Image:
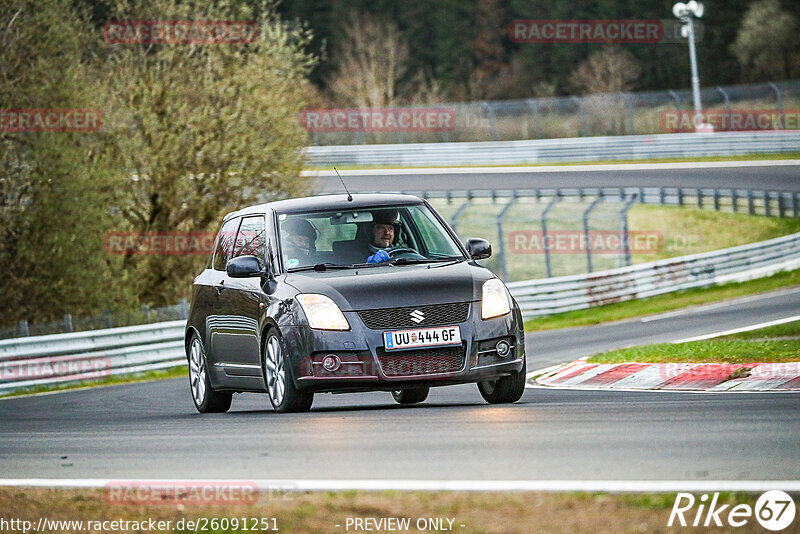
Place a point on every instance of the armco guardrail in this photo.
(566, 293)
(631, 147)
(42, 360)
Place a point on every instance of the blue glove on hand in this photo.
(379, 257)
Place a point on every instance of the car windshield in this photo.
(399, 235)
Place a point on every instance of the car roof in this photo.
(322, 202)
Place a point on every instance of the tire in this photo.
(411, 396)
(283, 394)
(504, 390)
(206, 399)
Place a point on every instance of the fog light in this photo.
(502, 348)
(331, 362)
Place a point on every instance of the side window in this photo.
(250, 238)
(225, 240)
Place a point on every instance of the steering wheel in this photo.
(394, 252)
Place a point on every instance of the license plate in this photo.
(422, 337)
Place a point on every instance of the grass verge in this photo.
(662, 303)
(479, 512)
(775, 344)
(172, 372)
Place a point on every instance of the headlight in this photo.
(322, 312)
(495, 301)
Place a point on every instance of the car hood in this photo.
(390, 286)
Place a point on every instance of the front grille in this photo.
(433, 315)
(423, 361)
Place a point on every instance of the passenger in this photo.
(299, 242)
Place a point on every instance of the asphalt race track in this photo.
(151, 430)
(778, 177)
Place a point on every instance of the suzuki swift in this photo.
(349, 293)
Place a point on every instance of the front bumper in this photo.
(365, 366)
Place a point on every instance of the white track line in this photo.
(737, 330)
(554, 168)
(444, 485)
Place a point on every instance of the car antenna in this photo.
(349, 196)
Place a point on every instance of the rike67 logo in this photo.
(774, 510)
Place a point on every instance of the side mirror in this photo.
(479, 248)
(244, 267)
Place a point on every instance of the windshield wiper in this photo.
(409, 261)
(320, 267)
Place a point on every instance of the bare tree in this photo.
(372, 61)
(604, 77)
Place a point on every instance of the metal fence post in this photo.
(767, 209)
(734, 200)
(587, 212)
(628, 99)
(795, 203)
(534, 107)
(107, 318)
(625, 240)
(699, 198)
(581, 116)
(552, 203)
(680, 196)
(751, 209)
(778, 97)
(24, 331)
(68, 322)
(486, 107)
(460, 211)
(727, 100)
(780, 205)
(675, 97)
(501, 243)
(716, 199)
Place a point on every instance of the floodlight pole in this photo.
(698, 106)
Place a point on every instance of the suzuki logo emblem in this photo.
(417, 316)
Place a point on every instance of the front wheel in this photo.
(206, 399)
(283, 394)
(505, 389)
(411, 396)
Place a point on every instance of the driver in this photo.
(299, 242)
(383, 233)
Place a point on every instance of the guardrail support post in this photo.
(552, 203)
(795, 203)
(587, 212)
(107, 318)
(767, 209)
(734, 201)
(183, 309)
(780, 205)
(501, 243)
(680, 196)
(751, 209)
(23, 329)
(716, 199)
(68, 322)
(700, 198)
(661, 196)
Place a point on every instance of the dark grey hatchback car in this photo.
(347, 293)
